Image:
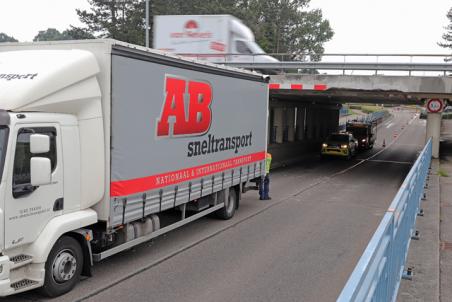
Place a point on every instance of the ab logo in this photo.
(194, 119)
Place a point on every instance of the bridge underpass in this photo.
(305, 108)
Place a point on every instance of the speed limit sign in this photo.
(435, 105)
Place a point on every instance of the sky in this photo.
(360, 26)
(385, 26)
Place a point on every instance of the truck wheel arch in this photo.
(67, 224)
(86, 249)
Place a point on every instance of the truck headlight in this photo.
(324, 145)
(344, 146)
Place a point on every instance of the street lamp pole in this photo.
(147, 23)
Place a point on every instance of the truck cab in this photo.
(213, 38)
(51, 127)
(364, 131)
(244, 46)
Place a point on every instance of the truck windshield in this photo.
(255, 48)
(358, 131)
(4, 132)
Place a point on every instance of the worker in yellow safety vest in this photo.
(264, 186)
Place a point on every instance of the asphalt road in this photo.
(300, 246)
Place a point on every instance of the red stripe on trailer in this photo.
(274, 86)
(296, 86)
(137, 185)
(320, 87)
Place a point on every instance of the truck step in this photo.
(23, 284)
(20, 260)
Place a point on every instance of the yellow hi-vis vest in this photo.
(268, 162)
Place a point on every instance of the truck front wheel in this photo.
(63, 267)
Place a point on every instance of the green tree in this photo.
(50, 34)
(77, 33)
(447, 36)
(122, 20)
(287, 26)
(280, 26)
(5, 38)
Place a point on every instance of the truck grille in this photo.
(23, 283)
(20, 258)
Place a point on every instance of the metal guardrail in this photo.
(309, 57)
(377, 275)
(437, 67)
(335, 61)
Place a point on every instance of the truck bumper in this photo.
(5, 282)
(16, 278)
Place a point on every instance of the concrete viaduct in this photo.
(306, 107)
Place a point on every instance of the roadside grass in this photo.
(443, 173)
(371, 109)
(366, 108)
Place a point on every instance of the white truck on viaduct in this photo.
(101, 140)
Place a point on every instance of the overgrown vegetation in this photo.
(367, 108)
(5, 38)
(442, 172)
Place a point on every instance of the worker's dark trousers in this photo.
(264, 187)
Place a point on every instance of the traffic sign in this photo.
(435, 105)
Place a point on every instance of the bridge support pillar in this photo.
(278, 122)
(434, 131)
(334, 121)
(310, 123)
(291, 124)
(301, 111)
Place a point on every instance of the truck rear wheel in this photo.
(63, 267)
(228, 211)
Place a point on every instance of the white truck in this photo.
(213, 38)
(100, 141)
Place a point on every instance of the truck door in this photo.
(29, 208)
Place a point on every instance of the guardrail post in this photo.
(408, 274)
(416, 235)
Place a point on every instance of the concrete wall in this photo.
(419, 85)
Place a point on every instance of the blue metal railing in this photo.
(377, 275)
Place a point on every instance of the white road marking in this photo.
(389, 125)
(390, 161)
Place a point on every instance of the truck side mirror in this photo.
(40, 171)
(39, 143)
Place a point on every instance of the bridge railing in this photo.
(336, 63)
(377, 275)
